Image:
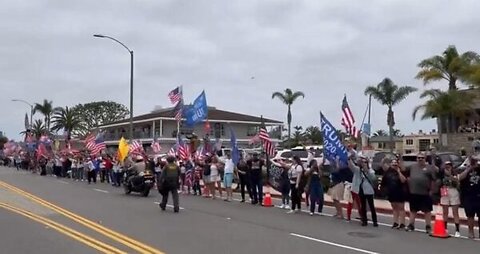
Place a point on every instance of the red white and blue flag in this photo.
(135, 147)
(267, 142)
(183, 150)
(348, 121)
(95, 143)
(156, 146)
(175, 95)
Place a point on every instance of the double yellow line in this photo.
(118, 237)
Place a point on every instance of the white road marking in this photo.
(99, 190)
(334, 244)
(61, 181)
(171, 206)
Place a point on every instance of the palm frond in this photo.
(401, 93)
(280, 96)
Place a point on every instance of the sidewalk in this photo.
(383, 206)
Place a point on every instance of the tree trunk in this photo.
(289, 121)
(391, 123)
(452, 84)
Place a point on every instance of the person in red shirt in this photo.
(105, 173)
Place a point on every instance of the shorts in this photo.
(336, 192)
(215, 178)
(421, 203)
(472, 208)
(228, 180)
(206, 179)
(347, 193)
(452, 199)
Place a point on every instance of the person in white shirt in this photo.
(228, 177)
(215, 177)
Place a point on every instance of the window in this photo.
(252, 131)
(423, 144)
(409, 142)
(436, 141)
(218, 130)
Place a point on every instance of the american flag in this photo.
(135, 147)
(175, 95)
(254, 140)
(267, 142)
(179, 110)
(95, 143)
(183, 150)
(156, 146)
(172, 152)
(348, 121)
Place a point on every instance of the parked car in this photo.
(300, 152)
(377, 161)
(410, 159)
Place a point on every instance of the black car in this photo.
(377, 161)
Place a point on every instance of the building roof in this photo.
(214, 114)
(384, 139)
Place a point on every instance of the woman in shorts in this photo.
(450, 197)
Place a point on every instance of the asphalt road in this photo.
(202, 226)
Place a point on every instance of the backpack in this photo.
(303, 179)
(206, 170)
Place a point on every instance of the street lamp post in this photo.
(31, 110)
(131, 80)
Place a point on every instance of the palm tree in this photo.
(65, 119)
(46, 109)
(449, 66)
(288, 98)
(38, 128)
(314, 134)
(445, 106)
(298, 136)
(380, 133)
(389, 94)
(397, 133)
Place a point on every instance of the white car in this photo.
(302, 153)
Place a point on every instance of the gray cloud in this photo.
(325, 49)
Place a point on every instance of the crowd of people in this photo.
(354, 182)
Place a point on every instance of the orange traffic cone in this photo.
(267, 200)
(439, 229)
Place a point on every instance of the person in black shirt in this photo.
(243, 175)
(394, 185)
(255, 166)
(470, 189)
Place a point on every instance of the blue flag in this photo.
(198, 111)
(233, 142)
(332, 145)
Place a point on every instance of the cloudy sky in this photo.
(323, 48)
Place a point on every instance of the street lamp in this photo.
(131, 79)
(31, 110)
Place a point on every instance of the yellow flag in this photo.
(122, 149)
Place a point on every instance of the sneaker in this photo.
(282, 206)
(375, 224)
(395, 225)
(457, 234)
(291, 211)
(311, 214)
(410, 227)
(428, 229)
(287, 207)
(364, 224)
(242, 201)
(401, 226)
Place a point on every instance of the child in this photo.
(196, 180)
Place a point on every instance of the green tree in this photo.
(95, 114)
(397, 133)
(298, 136)
(314, 135)
(66, 119)
(46, 109)
(446, 106)
(450, 66)
(3, 140)
(288, 97)
(38, 128)
(389, 94)
(380, 133)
